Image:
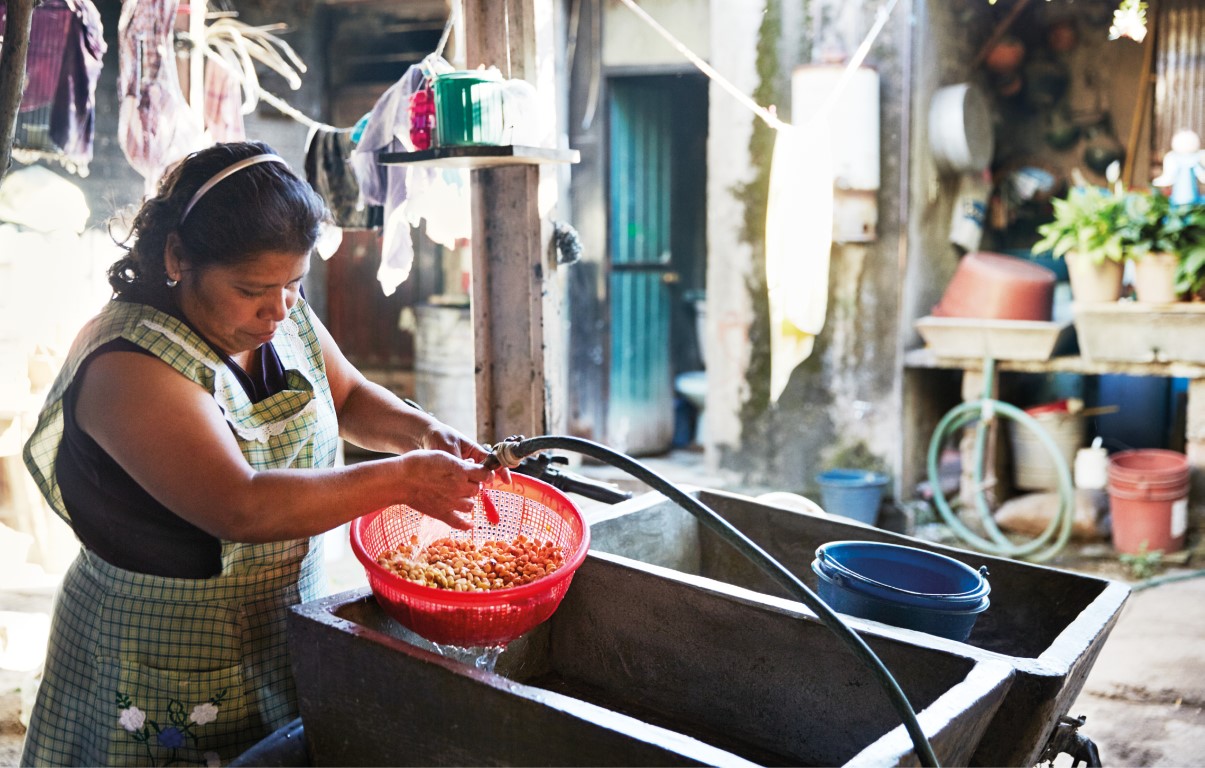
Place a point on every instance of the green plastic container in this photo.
(468, 108)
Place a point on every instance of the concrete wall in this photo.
(853, 402)
(841, 406)
(630, 42)
(731, 313)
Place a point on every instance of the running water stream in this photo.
(484, 658)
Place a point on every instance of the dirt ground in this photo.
(12, 732)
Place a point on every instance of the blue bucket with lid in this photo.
(902, 586)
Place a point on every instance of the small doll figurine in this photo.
(1183, 169)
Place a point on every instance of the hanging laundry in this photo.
(155, 127)
(799, 239)
(223, 104)
(328, 170)
(409, 195)
(57, 115)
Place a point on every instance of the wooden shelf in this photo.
(924, 358)
(480, 156)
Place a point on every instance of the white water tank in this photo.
(851, 104)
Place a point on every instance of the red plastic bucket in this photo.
(1148, 500)
(1148, 464)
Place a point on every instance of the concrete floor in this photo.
(1144, 700)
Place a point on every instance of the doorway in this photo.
(656, 198)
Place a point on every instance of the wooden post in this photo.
(13, 55)
(973, 383)
(516, 296)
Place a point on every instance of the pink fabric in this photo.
(156, 127)
(223, 104)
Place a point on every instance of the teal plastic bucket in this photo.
(468, 108)
(902, 586)
(852, 493)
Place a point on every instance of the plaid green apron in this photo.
(149, 670)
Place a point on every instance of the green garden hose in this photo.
(985, 411)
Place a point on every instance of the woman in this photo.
(190, 442)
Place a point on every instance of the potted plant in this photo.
(1185, 231)
(1084, 231)
(1151, 236)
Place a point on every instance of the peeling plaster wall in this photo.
(730, 310)
(842, 405)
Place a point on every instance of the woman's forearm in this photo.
(374, 418)
(283, 504)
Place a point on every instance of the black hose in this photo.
(521, 447)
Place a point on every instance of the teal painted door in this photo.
(640, 418)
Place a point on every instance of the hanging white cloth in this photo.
(799, 240)
(409, 194)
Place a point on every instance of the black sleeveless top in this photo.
(114, 516)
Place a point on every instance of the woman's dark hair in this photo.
(263, 207)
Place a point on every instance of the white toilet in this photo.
(692, 385)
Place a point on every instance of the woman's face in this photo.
(238, 307)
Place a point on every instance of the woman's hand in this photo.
(441, 437)
(440, 484)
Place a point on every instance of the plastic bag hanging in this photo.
(156, 127)
(799, 238)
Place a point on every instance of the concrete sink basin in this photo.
(638, 666)
(1047, 624)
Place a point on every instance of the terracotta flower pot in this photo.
(1006, 56)
(1155, 278)
(1093, 283)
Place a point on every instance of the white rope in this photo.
(859, 56)
(706, 68)
(769, 117)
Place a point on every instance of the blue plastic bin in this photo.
(902, 586)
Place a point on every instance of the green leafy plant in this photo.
(1185, 229)
(1141, 224)
(1086, 222)
(1149, 223)
(1142, 564)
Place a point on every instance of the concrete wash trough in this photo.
(1048, 625)
(639, 666)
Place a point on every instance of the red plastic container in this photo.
(472, 619)
(998, 287)
(1145, 465)
(1148, 500)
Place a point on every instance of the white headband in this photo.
(231, 169)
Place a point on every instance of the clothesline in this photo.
(768, 116)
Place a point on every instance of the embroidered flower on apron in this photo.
(148, 732)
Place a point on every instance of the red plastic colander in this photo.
(470, 619)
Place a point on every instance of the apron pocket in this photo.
(162, 716)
